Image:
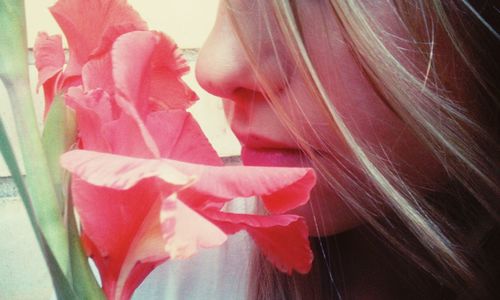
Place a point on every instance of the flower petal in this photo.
(129, 232)
(94, 30)
(129, 109)
(93, 110)
(281, 189)
(168, 90)
(283, 239)
(120, 172)
(187, 230)
(49, 61)
(49, 56)
(158, 63)
(96, 74)
(287, 247)
(100, 208)
(179, 137)
(131, 54)
(119, 134)
(114, 222)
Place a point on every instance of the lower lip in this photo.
(273, 157)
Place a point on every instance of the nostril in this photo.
(247, 96)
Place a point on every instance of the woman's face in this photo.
(223, 70)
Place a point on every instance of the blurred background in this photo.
(23, 274)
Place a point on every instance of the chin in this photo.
(326, 214)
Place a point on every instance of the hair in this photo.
(448, 240)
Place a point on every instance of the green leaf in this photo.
(59, 280)
(58, 136)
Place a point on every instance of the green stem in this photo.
(61, 285)
(38, 176)
(14, 74)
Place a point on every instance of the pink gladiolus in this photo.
(135, 185)
(159, 85)
(90, 27)
(49, 61)
(147, 184)
(131, 186)
(117, 224)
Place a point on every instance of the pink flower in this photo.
(147, 185)
(143, 68)
(90, 26)
(123, 195)
(121, 229)
(136, 213)
(49, 61)
(140, 74)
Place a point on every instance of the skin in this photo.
(223, 70)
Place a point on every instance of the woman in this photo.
(395, 105)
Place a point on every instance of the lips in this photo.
(264, 140)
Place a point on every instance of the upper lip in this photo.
(262, 136)
(257, 132)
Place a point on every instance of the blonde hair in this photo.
(435, 108)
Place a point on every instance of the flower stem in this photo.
(14, 74)
(38, 176)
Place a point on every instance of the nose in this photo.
(222, 67)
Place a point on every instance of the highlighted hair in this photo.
(434, 107)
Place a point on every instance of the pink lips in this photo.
(273, 157)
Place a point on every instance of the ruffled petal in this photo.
(49, 56)
(147, 69)
(283, 239)
(131, 55)
(230, 182)
(93, 110)
(168, 90)
(281, 189)
(49, 61)
(93, 32)
(187, 231)
(120, 172)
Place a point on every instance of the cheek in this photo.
(370, 120)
